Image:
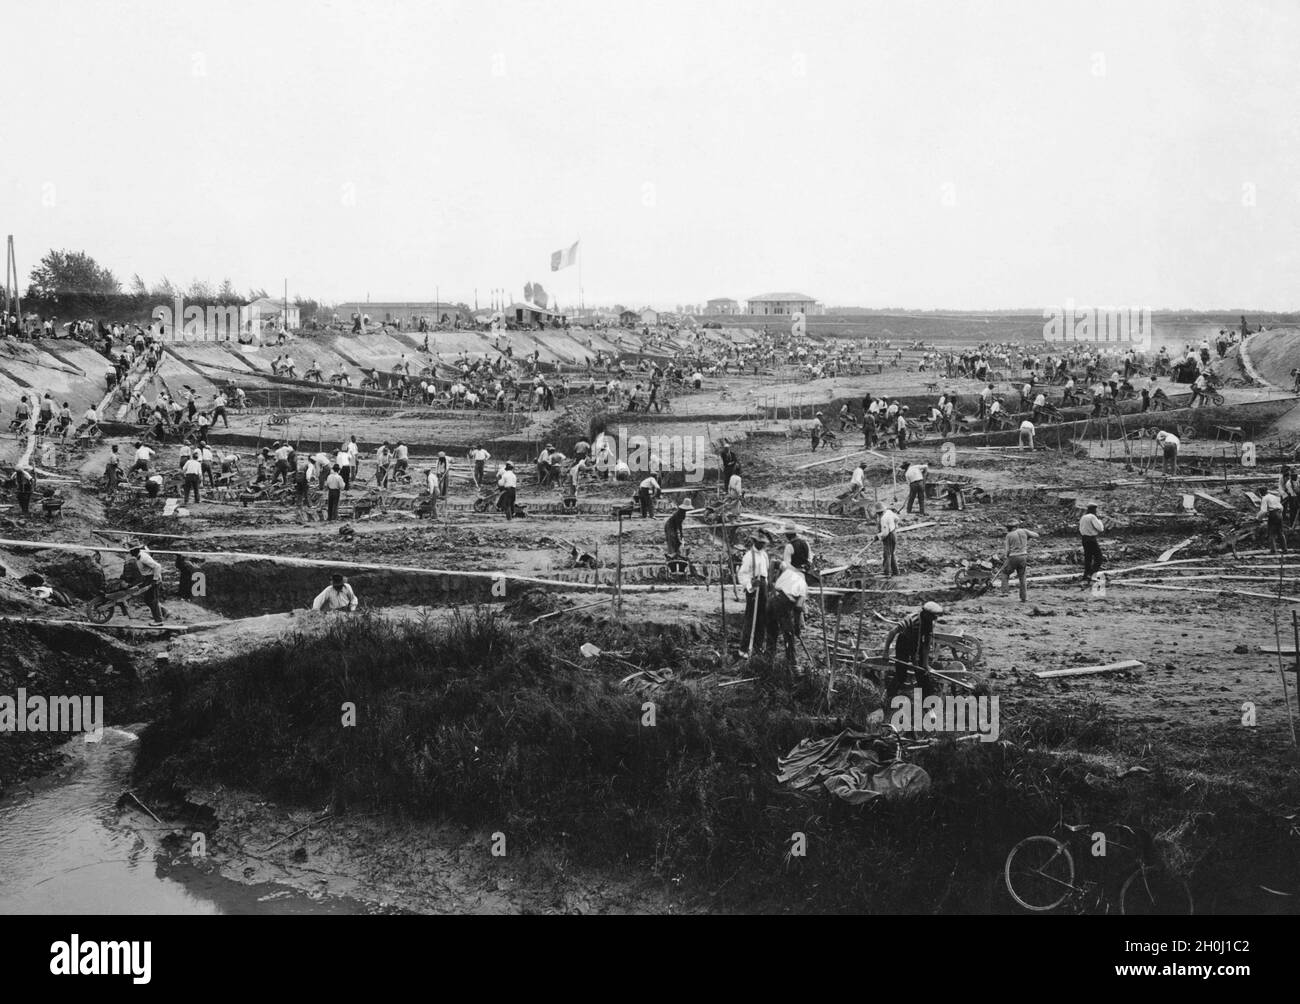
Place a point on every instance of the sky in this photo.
(960, 155)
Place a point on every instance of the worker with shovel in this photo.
(753, 578)
(911, 638)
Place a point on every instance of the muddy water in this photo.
(65, 849)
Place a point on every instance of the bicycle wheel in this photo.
(1039, 873)
(1153, 892)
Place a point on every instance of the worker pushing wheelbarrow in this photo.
(101, 609)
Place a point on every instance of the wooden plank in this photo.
(1166, 555)
(1216, 592)
(1211, 498)
(1110, 667)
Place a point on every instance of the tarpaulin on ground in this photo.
(849, 766)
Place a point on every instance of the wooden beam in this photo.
(1110, 667)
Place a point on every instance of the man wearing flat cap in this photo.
(911, 638)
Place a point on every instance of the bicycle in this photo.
(1040, 875)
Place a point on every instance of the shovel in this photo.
(591, 651)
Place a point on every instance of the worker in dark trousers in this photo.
(911, 638)
(646, 495)
(1270, 508)
(915, 474)
(673, 528)
(334, 484)
(151, 575)
(729, 463)
(785, 610)
(887, 518)
(24, 482)
(1090, 528)
(753, 578)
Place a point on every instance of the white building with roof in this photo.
(784, 303)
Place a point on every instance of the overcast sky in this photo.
(962, 155)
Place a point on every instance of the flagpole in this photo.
(581, 303)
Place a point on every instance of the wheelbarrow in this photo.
(100, 610)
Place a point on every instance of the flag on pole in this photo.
(564, 258)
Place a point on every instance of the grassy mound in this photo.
(492, 725)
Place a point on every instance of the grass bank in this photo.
(494, 725)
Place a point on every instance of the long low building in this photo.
(784, 303)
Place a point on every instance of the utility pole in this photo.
(11, 268)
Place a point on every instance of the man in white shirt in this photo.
(1026, 437)
(321, 463)
(479, 456)
(151, 574)
(1168, 444)
(343, 460)
(507, 482)
(143, 455)
(334, 485)
(886, 536)
(647, 492)
(856, 482)
(785, 612)
(1270, 508)
(193, 473)
(338, 595)
(915, 474)
(1090, 528)
(753, 578)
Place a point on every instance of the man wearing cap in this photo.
(149, 572)
(507, 482)
(1090, 528)
(785, 612)
(1270, 508)
(673, 527)
(796, 551)
(753, 576)
(1168, 443)
(888, 526)
(911, 637)
(915, 474)
(338, 595)
(817, 430)
(1016, 551)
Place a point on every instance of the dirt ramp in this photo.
(1273, 354)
